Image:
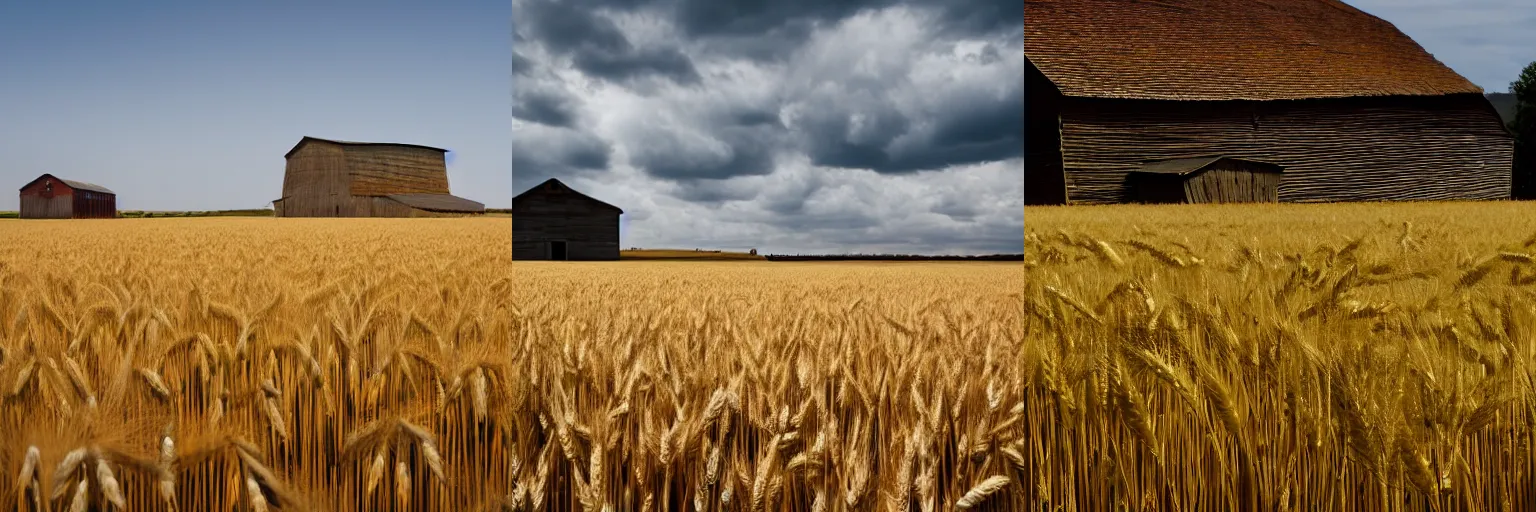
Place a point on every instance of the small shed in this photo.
(1209, 179)
(49, 197)
(552, 221)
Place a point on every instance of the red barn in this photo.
(49, 197)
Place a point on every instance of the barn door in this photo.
(557, 251)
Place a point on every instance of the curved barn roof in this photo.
(77, 185)
(1227, 50)
(307, 139)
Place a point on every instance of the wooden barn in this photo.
(332, 178)
(1349, 106)
(1210, 179)
(552, 221)
(49, 197)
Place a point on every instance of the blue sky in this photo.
(191, 105)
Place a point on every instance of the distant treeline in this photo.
(892, 257)
(255, 212)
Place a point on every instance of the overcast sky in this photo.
(787, 126)
(190, 105)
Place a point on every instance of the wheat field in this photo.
(1281, 357)
(406, 364)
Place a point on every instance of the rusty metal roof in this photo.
(308, 139)
(1183, 166)
(77, 185)
(1227, 50)
(439, 203)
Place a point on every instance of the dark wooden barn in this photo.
(1352, 108)
(49, 197)
(552, 221)
(1211, 179)
(332, 178)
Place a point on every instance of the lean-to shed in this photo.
(1212, 179)
(1350, 107)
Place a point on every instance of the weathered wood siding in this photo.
(316, 182)
(1232, 186)
(1401, 148)
(590, 230)
(384, 170)
(59, 205)
(1043, 179)
(94, 205)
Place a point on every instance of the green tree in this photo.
(1523, 126)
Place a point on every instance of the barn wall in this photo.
(1043, 179)
(59, 206)
(38, 207)
(384, 170)
(94, 205)
(591, 236)
(1434, 148)
(315, 182)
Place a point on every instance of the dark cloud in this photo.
(595, 44)
(729, 152)
(553, 107)
(540, 153)
(521, 65)
(635, 64)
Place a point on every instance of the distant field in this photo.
(683, 254)
(1281, 357)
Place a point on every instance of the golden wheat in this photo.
(1284, 357)
(371, 364)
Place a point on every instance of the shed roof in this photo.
(307, 139)
(439, 203)
(77, 185)
(563, 186)
(1227, 50)
(1185, 166)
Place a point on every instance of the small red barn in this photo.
(49, 197)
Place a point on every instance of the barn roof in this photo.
(1183, 166)
(307, 139)
(439, 203)
(545, 185)
(77, 185)
(1227, 50)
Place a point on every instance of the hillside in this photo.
(1505, 103)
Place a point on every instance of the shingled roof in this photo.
(1227, 50)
